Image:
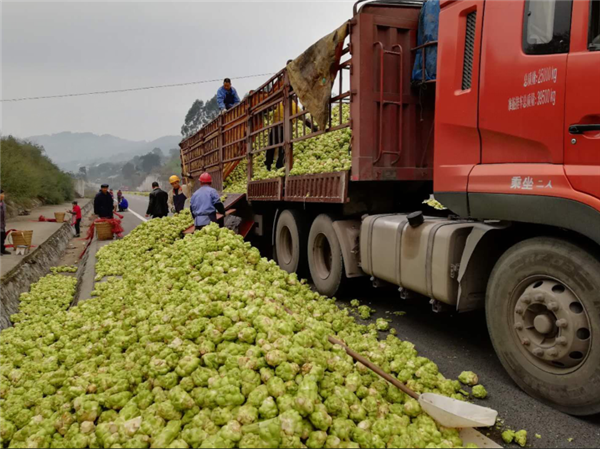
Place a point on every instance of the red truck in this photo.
(507, 137)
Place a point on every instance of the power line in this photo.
(133, 89)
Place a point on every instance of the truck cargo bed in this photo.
(391, 122)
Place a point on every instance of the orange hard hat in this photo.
(206, 178)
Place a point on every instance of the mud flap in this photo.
(348, 232)
(475, 266)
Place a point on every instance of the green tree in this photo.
(200, 114)
(27, 173)
(158, 152)
(128, 170)
(150, 161)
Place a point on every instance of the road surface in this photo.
(458, 343)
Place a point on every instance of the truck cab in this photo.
(517, 139)
(518, 112)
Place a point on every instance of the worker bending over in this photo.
(179, 194)
(205, 203)
(227, 96)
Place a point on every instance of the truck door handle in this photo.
(580, 129)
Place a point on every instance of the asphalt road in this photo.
(135, 215)
(458, 343)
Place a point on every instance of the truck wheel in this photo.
(290, 241)
(543, 314)
(325, 259)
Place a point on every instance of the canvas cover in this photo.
(313, 73)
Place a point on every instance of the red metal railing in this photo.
(319, 188)
(269, 120)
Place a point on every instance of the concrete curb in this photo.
(31, 268)
(86, 280)
(81, 273)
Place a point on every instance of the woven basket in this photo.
(104, 231)
(60, 217)
(22, 238)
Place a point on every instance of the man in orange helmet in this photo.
(178, 194)
(205, 203)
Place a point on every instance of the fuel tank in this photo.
(424, 259)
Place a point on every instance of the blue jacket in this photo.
(222, 94)
(203, 204)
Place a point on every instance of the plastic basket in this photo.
(104, 231)
(22, 238)
(60, 217)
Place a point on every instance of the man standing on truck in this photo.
(157, 203)
(205, 203)
(179, 194)
(277, 154)
(103, 203)
(227, 96)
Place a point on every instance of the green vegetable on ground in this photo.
(64, 269)
(188, 344)
(479, 392)
(521, 438)
(468, 378)
(364, 312)
(382, 324)
(508, 436)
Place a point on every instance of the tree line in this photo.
(27, 173)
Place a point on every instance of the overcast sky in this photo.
(51, 48)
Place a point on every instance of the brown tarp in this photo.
(313, 72)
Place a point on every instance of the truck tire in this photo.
(543, 314)
(290, 241)
(325, 259)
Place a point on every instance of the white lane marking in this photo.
(137, 215)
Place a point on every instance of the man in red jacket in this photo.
(77, 212)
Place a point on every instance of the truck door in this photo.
(523, 77)
(582, 112)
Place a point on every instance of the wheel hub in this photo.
(552, 325)
(543, 324)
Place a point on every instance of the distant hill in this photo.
(71, 150)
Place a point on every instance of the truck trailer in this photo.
(503, 129)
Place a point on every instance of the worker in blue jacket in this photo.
(227, 96)
(205, 203)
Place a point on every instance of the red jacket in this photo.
(77, 211)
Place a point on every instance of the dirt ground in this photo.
(76, 245)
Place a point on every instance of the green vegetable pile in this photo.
(237, 181)
(259, 160)
(189, 343)
(64, 269)
(260, 171)
(326, 153)
(50, 295)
